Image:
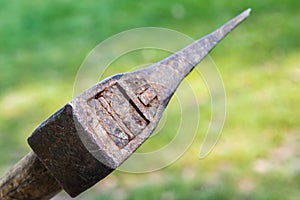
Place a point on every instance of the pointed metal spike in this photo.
(170, 71)
(98, 130)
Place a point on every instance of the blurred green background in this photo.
(43, 43)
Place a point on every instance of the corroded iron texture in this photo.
(98, 130)
(60, 149)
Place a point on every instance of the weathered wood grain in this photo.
(28, 180)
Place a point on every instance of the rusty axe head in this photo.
(98, 130)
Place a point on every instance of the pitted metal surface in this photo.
(125, 118)
(98, 130)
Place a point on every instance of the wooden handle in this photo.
(28, 180)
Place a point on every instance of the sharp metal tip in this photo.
(248, 11)
(179, 65)
(237, 20)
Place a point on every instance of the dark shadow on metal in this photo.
(98, 130)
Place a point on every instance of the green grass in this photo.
(43, 43)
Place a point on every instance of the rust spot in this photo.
(147, 96)
(124, 120)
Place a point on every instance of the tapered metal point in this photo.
(170, 71)
(97, 131)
